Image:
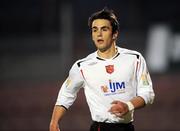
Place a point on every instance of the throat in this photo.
(108, 54)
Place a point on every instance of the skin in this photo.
(105, 42)
(57, 115)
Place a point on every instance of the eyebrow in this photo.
(95, 27)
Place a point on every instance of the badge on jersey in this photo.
(68, 82)
(109, 69)
(144, 79)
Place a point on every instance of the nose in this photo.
(99, 33)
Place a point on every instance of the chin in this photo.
(102, 49)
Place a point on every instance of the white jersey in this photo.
(104, 80)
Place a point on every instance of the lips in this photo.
(100, 40)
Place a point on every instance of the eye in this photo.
(104, 29)
(94, 30)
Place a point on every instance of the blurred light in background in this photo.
(158, 45)
(176, 48)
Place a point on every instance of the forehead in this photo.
(101, 23)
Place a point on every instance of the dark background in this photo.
(34, 60)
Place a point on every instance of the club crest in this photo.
(109, 69)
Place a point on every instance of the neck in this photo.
(109, 53)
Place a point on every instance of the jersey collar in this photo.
(116, 55)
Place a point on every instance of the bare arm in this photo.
(138, 102)
(57, 115)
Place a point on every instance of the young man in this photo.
(115, 80)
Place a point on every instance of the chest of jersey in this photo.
(110, 76)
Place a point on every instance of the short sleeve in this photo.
(144, 82)
(70, 87)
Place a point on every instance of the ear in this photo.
(115, 35)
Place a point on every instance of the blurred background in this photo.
(41, 39)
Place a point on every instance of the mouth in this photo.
(100, 40)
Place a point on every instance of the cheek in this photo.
(108, 37)
(93, 37)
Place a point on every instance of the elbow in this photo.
(148, 98)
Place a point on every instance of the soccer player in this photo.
(115, 80)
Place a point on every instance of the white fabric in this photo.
(130, 106)
(129, 78)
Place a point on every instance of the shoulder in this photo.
(86, 59)
(129, 52)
